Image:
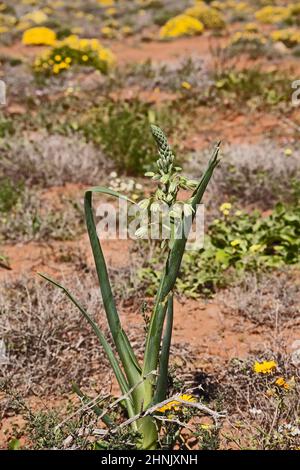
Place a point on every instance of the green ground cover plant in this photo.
(235, 243)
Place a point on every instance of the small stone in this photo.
(68, 441)
(280, 47)
(295, 357)
(295, 345)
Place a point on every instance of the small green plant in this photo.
(121, 129)
(267, 88)
(9, 194)
(146, 385)
(45, 431)
(4, 262)
(235, 243)
(6, 127)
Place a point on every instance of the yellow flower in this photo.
(286, 385)
(205, 427)
(248, 37)
(186, 85)
(236, 242)
(39, 36)
(225, 207)
(210, 17)
(56, 69)
(106, 3)
(254, 248)
(107, 31)
(251, 27)
(107, 56)
(111, 11)
(175, 405)
(280, 382)
(289, 37)
(37, 17)
(63, 65)
(273, 14)
(181, 25)
(265, 367)
(127, 30)
(288, 152)
(238, 213)
(88, 49)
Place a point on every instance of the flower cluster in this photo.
(165, 197)
(125, 186)
(181, 25)
(225, 208)
(265, 367)
(74, 51)
(273, 14)
(248, 38)
(6, 22)
(39, 36)
(36, 17)
(210, 17)
(289, 37)
(281, 383)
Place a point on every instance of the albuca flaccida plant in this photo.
(145, 384)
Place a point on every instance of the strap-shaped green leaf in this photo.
(123, 346)
(162, 380)
(107, 348)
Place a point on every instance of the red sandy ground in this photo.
(217, 335)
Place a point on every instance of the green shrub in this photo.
(122, 130)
